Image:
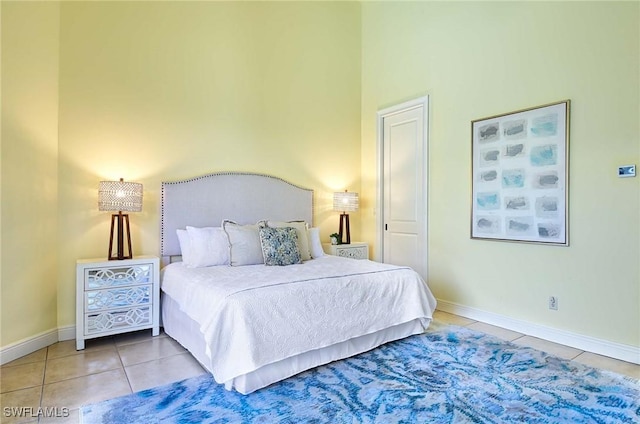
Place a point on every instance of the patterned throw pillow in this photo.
(301, 231)
(279, 246)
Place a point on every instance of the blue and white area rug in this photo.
(449, 375)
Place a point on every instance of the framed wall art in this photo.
(520, 164)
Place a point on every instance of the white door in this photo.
(403, 187)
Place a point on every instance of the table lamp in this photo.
(120, 196)
(344, 202)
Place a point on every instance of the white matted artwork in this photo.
(520, 163)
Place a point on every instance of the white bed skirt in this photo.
(187, 332)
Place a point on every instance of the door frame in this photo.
(380, 116)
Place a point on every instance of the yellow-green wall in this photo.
(478, 59)
(168, 90)
(156, 91)
(28, 282)
(153, 91)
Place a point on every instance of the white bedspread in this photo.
(256, 315)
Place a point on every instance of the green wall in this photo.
(478, 59)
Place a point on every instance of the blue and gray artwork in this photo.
(514, 150)
(487, 225)
(513, 130)
(488, 201)
(544, 155)
(489, 157)
(513, 178)
(546, 180)
(520, 226)
(545, 126)
(547, 207)
(488, 176)
(516, 203)
(549, 230)
(489, 132)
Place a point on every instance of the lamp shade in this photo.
(345, 201)
(120, 196)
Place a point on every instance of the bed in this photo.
(252, 323)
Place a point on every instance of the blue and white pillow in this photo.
(301, 231)
(280, 246)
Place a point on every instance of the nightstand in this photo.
(355, 250)
(115, 297)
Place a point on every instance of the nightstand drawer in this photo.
(98, 278)
(356, 250)
(116, 296)
(355, 253)
(126, 319)
(97, 300)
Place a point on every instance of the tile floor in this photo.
(62, 379)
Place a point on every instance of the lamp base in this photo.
(121, 221)
(344, 222)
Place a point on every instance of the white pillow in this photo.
(208, 246)
(301, 231)
(185, 245)
(315, 245)
(244, 243)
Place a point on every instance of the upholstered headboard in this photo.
(245, 198)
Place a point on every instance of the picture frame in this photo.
(520, 180)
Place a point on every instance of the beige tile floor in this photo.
(60, 378)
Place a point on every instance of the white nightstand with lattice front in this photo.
(116, 297)
(355, 250)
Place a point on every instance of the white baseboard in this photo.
(29, 345)
(67, 333)
(590, 344)
(615, 350)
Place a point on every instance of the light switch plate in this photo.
(627, 171)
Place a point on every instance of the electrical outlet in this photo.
(627, 171)
(553, 303)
